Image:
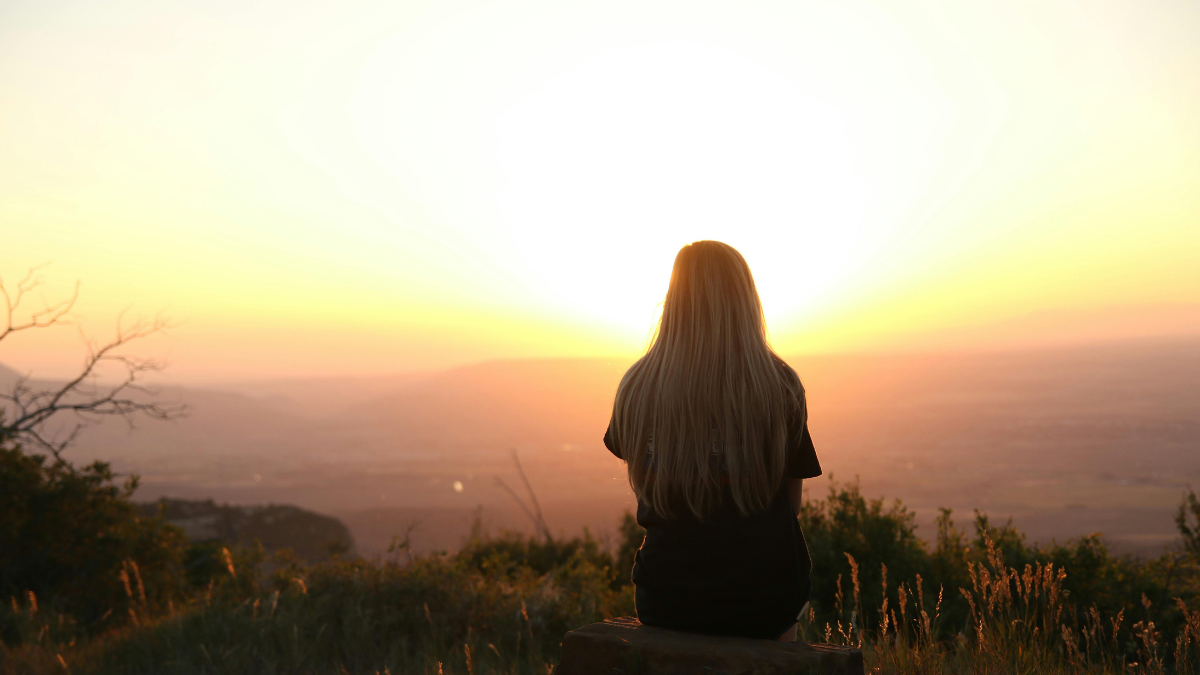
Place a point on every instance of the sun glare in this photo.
(612, 165)
(565, 169)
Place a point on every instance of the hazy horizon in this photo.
(1066, 342)
(1066, 441)
(357, 187)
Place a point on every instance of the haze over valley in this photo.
(1065, 441)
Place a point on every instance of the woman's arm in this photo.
(794, 491)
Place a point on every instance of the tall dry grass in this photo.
(1020, 621)
(483, 612)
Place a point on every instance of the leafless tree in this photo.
(29, 408)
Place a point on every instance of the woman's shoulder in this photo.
(789, 375)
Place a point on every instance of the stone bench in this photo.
(625, 647)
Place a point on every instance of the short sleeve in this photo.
(802, 456)
(608, 441)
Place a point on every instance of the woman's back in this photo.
(713, 426)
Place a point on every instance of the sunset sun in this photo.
(608, 168)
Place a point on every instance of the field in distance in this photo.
(1065, 441)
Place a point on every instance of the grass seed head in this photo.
(125, 582)
(229, 562)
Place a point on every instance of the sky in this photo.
(351, 187)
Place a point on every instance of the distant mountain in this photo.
(324, 396)
(7, 376)
(500, 404)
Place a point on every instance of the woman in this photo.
(713, 428)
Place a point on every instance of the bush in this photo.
(863, 551)
(72, 544)
(512, 554)
(853, 540)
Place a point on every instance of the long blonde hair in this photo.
(709, 391)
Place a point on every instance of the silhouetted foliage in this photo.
(72, 546)
(71, 542)
(845, 530)
(1188, 522)
(512, 553)
(502, 602)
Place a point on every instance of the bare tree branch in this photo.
(538, 526)
(532, 496)
(535, 515)
(48, 315)
(83, 397)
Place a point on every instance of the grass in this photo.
(502, 604)
(474, 612)
(1020, 621)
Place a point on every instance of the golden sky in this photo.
(371, 187)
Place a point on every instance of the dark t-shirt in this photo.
(730, 574)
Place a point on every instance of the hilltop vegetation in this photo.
(981, 603)
(311, 536)
(72, 544)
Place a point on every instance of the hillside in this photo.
(311, 536)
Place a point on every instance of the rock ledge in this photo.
(625, 647)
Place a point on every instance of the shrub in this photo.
(73, 545)
(862, 547)
(1187, 519)
(856, 541)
